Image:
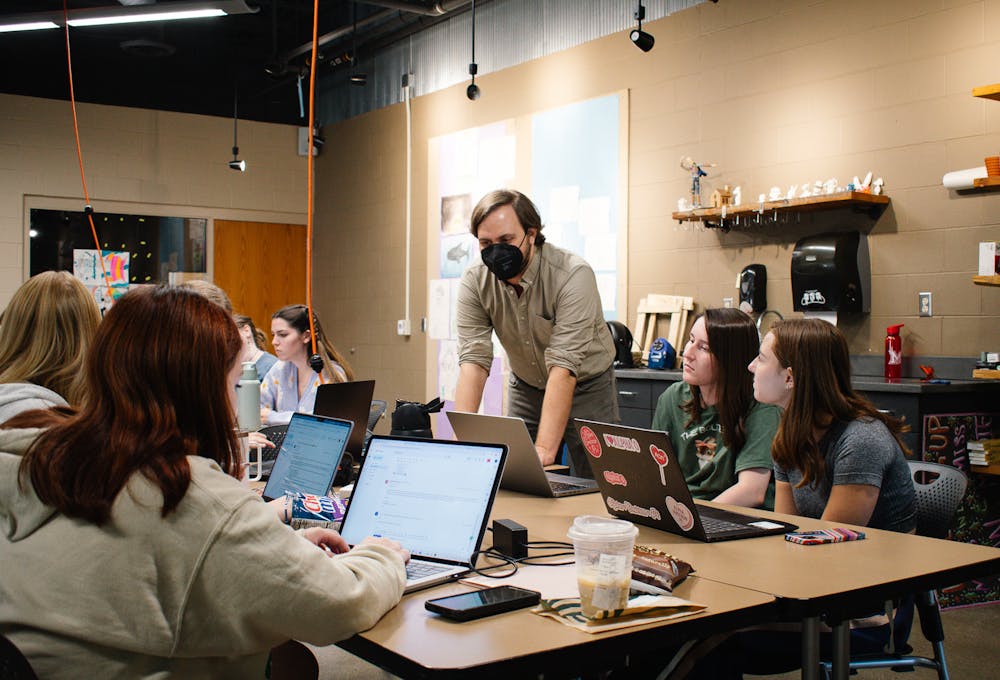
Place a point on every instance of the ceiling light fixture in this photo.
(236, 163)
(359, 79)
(644, 41)
(125, 14)
(473, 91)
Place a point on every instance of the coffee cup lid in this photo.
(594, 527)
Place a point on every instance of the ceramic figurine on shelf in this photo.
(761, 198)
(817, 189)
(877, 187)
(791, 191)
(774, 194)
(737, 195)
(682, 205)
(805, 191)
(830, 186)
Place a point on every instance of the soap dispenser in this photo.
(893, 353)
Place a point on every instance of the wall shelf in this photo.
(987, 92)
(734, 214)
(992, 469)
(987, 280)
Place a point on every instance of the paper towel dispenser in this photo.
(832, 273)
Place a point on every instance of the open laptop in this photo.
(523, 472)
(432, 496)
(308, 457)
(347, 401)
(641, 481)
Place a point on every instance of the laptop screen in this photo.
(309, 456)
(432, 496)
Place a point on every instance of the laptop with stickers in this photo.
(524, 471)
(641, 481)
(432, 496)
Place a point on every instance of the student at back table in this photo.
(721, 434)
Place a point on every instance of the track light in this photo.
(236, 163)
(472, 91)
(644, 41)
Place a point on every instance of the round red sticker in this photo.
(590, 442)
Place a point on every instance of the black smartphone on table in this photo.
(480, 603)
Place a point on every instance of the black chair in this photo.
(939, 492)
(13, 665)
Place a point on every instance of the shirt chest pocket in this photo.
(541, 328)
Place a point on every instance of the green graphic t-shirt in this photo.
(708, 465)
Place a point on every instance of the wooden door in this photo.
(261, 266)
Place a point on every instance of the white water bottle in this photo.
(248, 398)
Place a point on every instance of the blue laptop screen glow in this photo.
(309, 456)
(430, 496)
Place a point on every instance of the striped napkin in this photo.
(640, 610)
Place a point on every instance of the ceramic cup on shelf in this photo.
(993, 166)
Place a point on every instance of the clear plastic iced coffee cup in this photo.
(603, 548)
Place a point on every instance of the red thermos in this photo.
(893, 353)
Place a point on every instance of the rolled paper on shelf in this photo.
(963, 179)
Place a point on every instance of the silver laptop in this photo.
(308, 456)
(432, 496)
(524, 472)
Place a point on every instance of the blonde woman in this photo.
(45, 332)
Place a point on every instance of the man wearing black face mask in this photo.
(543, 303)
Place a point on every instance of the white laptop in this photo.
(524, 472)
(432, 496)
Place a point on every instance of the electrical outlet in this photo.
(924, 308)
(727, 302)
(403, 327)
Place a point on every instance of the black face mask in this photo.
(504, 260)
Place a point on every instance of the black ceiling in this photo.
(194, 65)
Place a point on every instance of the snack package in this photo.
(654, 571)
(305, 510)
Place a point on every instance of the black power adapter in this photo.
(510, 538)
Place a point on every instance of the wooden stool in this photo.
(649, 311)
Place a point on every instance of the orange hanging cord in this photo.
(309, 183)
(88, 209)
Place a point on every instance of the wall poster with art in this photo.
(570, 162)
(978, 519)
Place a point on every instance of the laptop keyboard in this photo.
(416, 570)
(564, 486)
(276, 435)
(713, 525)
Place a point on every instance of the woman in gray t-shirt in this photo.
(835, 456)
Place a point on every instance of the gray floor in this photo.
(972, 646)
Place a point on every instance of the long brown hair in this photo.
(733, 341)
(818, 355)
(45, 333)
(297, 316)
(157, 372)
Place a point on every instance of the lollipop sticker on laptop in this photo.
(660, 456)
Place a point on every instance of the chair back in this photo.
(939, 491)
(13, 665)
(375, 411)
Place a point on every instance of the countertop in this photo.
(862, 383)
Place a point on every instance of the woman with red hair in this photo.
(128, 546)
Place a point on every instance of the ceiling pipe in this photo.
(439, 9)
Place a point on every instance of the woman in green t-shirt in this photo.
(721, 435)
